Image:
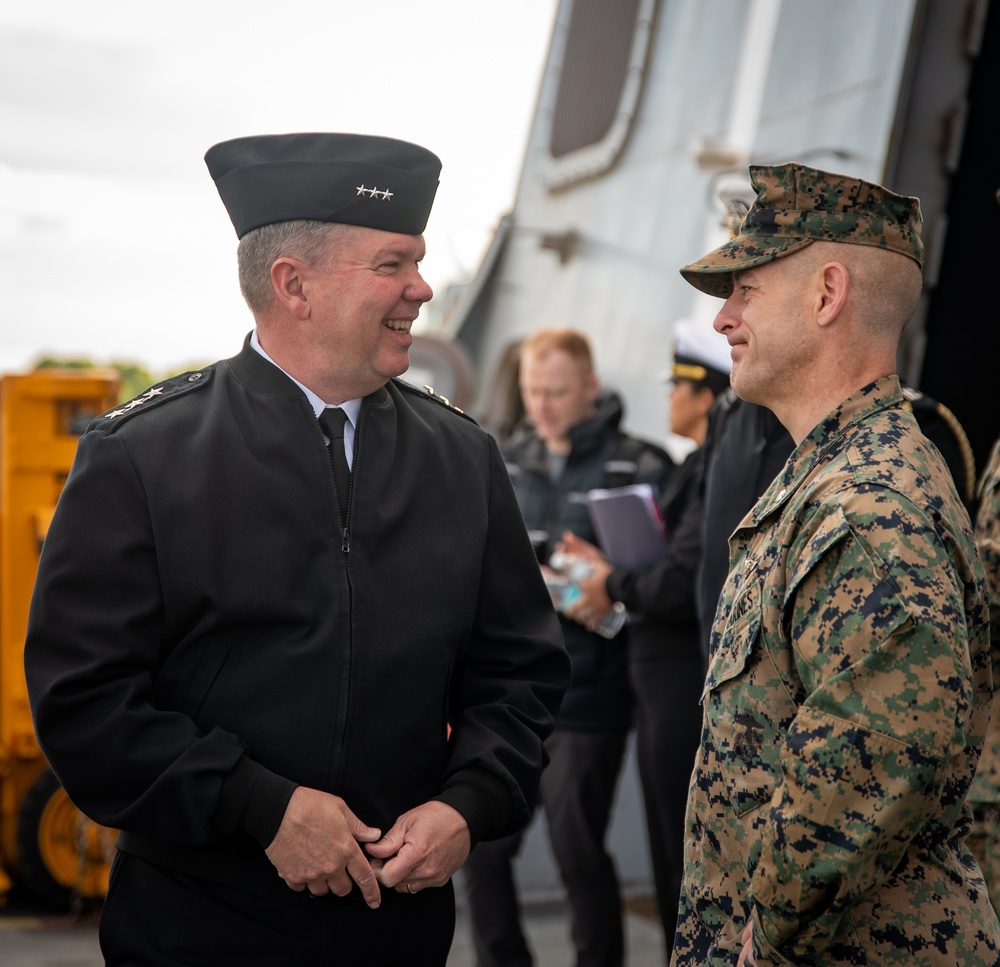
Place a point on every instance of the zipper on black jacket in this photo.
(345, 534)
(345, 544)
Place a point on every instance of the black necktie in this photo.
(332, 421)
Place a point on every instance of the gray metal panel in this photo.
(593, 74)
(833, 84)
(636, 224)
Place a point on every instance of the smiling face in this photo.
(364, 297)
(765, 321)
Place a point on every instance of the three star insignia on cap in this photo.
(373, 192)
(138, 401)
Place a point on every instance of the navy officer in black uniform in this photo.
(302, 668)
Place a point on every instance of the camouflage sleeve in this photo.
(988, 533)
(986, 785)
(875, 615)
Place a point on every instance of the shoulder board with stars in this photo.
(428, 393)
(167, 389)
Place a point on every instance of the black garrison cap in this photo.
(354, 179)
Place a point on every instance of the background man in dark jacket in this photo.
(571, 442)
(272, 585)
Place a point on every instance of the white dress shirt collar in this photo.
(350, 407)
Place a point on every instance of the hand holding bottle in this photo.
(578, 586)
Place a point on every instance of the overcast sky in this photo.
(113, 241)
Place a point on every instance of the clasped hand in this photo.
(318, 847)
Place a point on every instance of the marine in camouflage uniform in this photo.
(850, 686)
(984, 840)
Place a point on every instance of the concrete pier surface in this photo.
(32, 939)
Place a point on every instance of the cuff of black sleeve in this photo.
(483, 799)
(621, 586)
(614, 585)
(253, 801)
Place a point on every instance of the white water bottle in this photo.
(576, 570)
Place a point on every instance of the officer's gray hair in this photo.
(307, 240)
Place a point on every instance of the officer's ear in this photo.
(288, 279)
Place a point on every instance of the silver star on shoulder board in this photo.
(386, 195)
(114, 413)
(361, 189)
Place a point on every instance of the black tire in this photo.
(50, 834)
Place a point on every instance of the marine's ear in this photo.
(832, 286)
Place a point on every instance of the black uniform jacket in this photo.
(662, 597)
(197, 607)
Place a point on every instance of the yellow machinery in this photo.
(46, 844)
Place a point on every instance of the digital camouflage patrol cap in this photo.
(353, 179)
(797, 205)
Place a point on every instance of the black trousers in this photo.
(668, 730)
(577, 792)
(154, 917)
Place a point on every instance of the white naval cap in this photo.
(700, 354)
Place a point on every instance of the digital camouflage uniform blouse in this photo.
(985, 792)
(844, 711)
